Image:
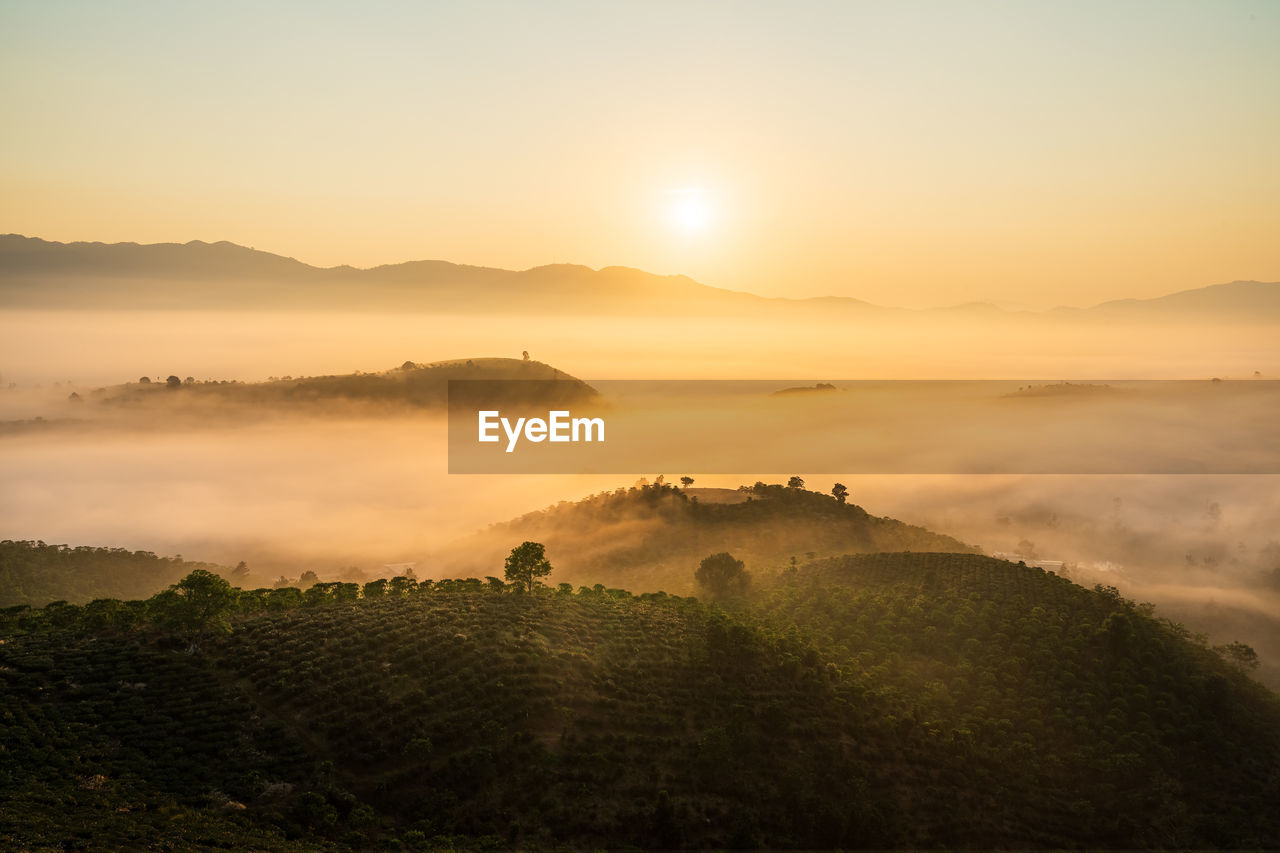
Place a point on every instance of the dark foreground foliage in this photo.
(874, 701)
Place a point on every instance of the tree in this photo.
(722, 575)
(173, 382)
(526, 355)
(526, 563)
(840, 492)
(402, 585)
(1242, 657)
(201, 601)
(795, 483)
(686, 481)
(241, 571)
(144, 380)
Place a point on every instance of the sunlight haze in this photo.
(911, 154)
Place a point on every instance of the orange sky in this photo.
(905, 153)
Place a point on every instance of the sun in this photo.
(691, 210)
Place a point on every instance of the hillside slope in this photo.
(410, 388)
(1111, 718)
(650, 537)
(874, 701)
(34, 573)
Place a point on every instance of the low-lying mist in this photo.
(344, 492)
(347, 497)
(92, 348)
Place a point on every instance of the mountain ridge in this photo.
(26, 262)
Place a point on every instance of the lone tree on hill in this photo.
(840, 492)
(722, 576)
(686, 481)
(526, 563)
(200, 602)
(795, 483)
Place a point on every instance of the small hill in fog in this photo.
(409, 387)
(1077, 390)
(652, 536)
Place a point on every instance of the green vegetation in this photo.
(1077, 706)
(35, 573)
(866, 701)
(721, 576)
(527, 564)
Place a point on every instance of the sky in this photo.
(907, 153)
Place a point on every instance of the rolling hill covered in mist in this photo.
(38, 273)
(410, 385)
(875, 701)
(407, 388)
(648, 537)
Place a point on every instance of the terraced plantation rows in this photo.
(870, 701)
(112, 743)
(592, 717)
(1124, 723)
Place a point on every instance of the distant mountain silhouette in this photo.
(1238, 300)
(40, 273)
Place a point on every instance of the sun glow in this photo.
(691, 210)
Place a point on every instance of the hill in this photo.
(1255, 301)
(646, 538)
(1063, 688)
(41, 273)
(873, 702)
(650, 537)
(409, 387)
(34, 573)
